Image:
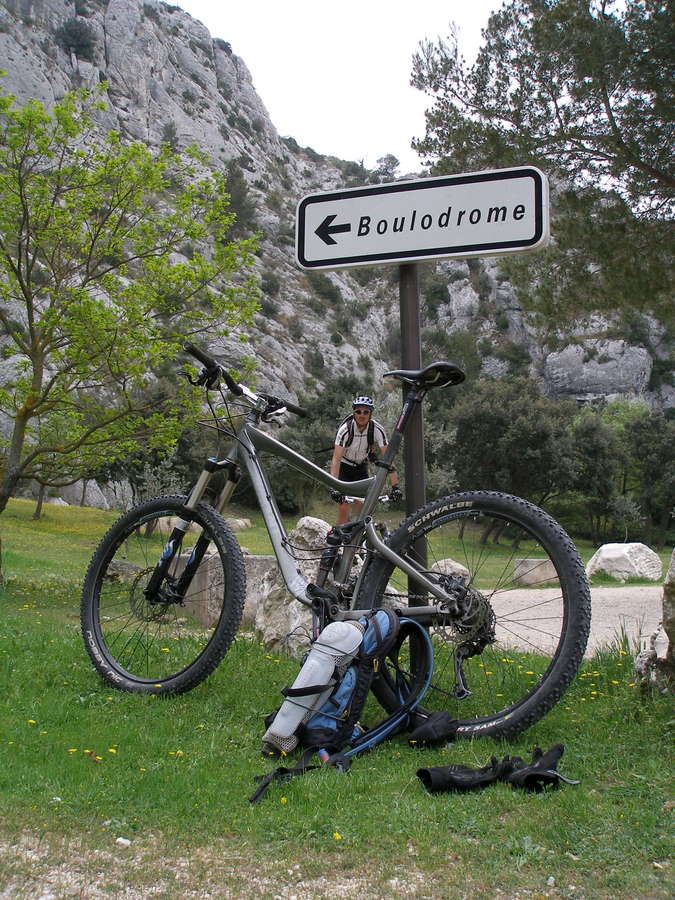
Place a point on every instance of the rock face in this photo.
(669, 618)
(281, 622)
(598, 369)
(624, 561)
(258, 570)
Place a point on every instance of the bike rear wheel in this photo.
(524, 603)
(159, 642)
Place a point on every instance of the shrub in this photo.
(364, 274)
(150, 11)
(170, 135)
(76, 36)
(270, 283)
(324, 287)
(314, 361)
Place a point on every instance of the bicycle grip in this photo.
(200, 355)
(206, 360)
(298, 410)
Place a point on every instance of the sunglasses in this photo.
(362, 412)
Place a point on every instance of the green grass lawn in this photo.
(81, 765)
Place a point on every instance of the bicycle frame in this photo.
(249, 441)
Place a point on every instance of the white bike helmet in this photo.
(363, 401)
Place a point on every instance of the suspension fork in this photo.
(179, 589)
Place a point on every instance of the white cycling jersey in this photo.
(357, 451)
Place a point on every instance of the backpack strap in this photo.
(349, 422)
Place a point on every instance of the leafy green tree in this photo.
(385, 169)
(651, 439)
(584, 89)
(597, 459)
(94, 300)
(510, 437)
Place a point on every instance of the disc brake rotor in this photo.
(141, 607)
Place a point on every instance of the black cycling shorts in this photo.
(353, 472)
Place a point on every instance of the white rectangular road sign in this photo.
(481, 214)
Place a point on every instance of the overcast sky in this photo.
(334, 74)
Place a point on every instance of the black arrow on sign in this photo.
(325, 230)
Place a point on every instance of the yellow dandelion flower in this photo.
(337, 836)
(112, 750)
(283, 800)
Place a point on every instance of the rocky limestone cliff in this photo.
(170, 80)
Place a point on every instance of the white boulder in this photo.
(238, 524)
(534, 572)
(622, 561)
(258, 569)
(450, 567)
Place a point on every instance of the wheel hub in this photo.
(145, 608)
(469, 611)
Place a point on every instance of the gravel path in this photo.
(635, 610)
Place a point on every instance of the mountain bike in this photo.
(495, 583)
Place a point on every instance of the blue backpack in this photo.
(333, 731)
(335, 724)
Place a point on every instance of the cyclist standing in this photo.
(356, 439)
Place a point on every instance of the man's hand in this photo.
(337, 496)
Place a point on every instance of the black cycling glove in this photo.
(535, 776)
(541, 772)
(464, 778)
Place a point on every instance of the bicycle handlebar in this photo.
(214, 370)
(291, 407)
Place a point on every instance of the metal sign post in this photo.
(413, 446)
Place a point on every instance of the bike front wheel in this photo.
(512, 639)
(169, 638)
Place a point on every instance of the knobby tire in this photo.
(138, 645)
(538, 609)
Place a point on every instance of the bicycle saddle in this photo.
(435, 375)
